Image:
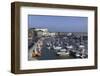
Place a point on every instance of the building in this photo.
(42, 32)
(52, 34)
(39, 33)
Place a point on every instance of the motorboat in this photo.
(57, 48)
(81, 46)
(63, 52)
(70, 47)
(78, 55)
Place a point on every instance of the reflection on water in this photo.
(51, 54)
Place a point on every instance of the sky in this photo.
(58, 23)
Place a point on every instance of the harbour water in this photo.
(49, 53)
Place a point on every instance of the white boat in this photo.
(70, 47)
(57, 48)
(81, 46)
(78, 55)
(63, 52)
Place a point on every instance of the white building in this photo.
(42, 32)
(52, 34)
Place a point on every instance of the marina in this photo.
(60, 46)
